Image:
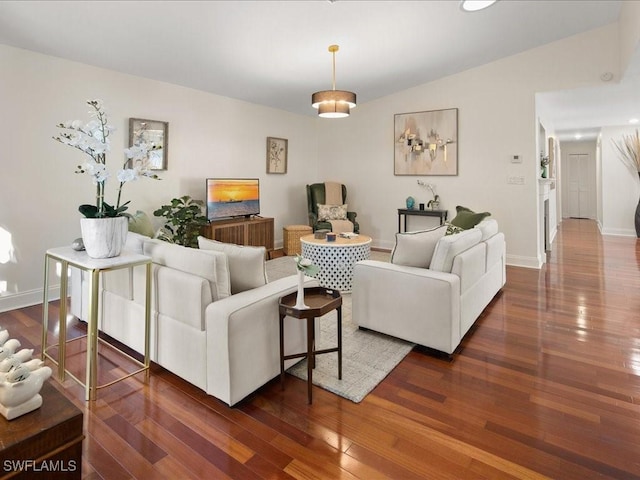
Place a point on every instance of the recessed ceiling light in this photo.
(475, 5)
(577, 136)
(633, 121)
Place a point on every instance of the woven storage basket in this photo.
(291, 238)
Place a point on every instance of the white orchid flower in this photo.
(127, 175)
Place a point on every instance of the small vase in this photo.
(410, 203)
(544, 172)
(104, 237)
(300, 305)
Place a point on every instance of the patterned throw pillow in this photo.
(332, 212)
(453, 229)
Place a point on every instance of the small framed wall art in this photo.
(151, 132)
(426, 143)
(277, 151)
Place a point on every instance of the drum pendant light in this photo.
(333, 103)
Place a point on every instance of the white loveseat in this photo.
(226, 344)
(433, 305)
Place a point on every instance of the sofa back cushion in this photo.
(247, 265)
(488, 227)
(210, 265)
(451, 245)
(415, 249)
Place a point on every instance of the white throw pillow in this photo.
(332, 212)
(415, 249)
(450, 246)
(247, 265)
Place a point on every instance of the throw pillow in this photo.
(332, 212)
(247, 265)
(452, 229)
(141, 223)
(467, 218)
(415, 249)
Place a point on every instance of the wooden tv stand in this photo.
(255, 231)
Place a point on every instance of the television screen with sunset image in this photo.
(232, 197)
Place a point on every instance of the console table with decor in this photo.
(405, 212)
(254, 231)
(320, 301)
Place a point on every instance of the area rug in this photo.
(367, 357)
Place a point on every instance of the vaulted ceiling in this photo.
(274, 53)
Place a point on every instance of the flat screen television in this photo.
(232, 197)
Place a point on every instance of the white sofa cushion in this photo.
(415, 249)
(451, 245)
(488, 227)
(210, 265)
(247, 265)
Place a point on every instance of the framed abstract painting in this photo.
(426, 143)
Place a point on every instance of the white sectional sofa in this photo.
(214, 316)
(442, 288)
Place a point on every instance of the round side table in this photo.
(336, 259)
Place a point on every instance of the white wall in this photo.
(209, 136)
(216, 136)
(620, 186)
(497, 118)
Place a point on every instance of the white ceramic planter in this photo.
(104, 237)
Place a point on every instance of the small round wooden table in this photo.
(320, 301)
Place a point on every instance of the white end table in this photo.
(94, 267)
(336, 259)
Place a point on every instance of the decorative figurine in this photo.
(21, 378)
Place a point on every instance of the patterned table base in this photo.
(336, 262)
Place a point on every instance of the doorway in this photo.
(579, 181)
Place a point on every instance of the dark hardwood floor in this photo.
(546, 385)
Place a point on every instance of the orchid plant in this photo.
(92, 139)
(305, 265)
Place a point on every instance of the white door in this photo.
(579, 189)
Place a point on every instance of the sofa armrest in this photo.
(243, 339)
(416, 304)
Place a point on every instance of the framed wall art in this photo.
(426, 143)
(277, 151)
(151, 132)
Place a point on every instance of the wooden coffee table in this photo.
(320, 302)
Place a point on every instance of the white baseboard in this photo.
(618, 232)
(26, 299)
(526, 262)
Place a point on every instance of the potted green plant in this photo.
(184, 221)
(435, 203)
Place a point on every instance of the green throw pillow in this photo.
(467, 218)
